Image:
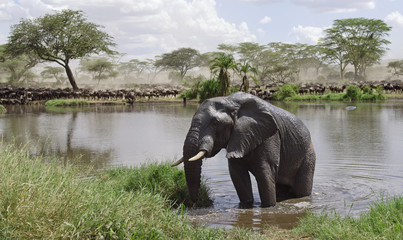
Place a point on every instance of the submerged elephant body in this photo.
(267, 141)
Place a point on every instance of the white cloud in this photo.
(260, 31)
(146, 28)
(330, 6)
(395, 19)
(265, 20)
(338, 6)
(307, 34)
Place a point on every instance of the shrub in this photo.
(209, 88)
(286, 91)
(353, 93)
(367, 89)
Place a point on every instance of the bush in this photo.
(210, 88)
(286, 91)
(353, 93)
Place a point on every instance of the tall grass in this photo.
(383, 221)
(41, 200)
(160, 179)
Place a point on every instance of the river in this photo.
(359, 149)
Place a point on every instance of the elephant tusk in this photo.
(198, 156)
(177, 162)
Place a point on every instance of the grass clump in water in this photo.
(66, 102)
(44, 200)
(383, 221)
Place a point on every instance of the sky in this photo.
(148, 28)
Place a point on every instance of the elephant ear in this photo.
(254, 123)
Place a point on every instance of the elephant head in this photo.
(238, 123)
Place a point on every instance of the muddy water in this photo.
(359, 152)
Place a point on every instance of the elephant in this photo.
(260, 138)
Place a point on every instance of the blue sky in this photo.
(146, 28)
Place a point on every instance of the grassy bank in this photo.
(383, 221)
(66, 102)
(79, 102)
(43, 200)
(290, 92)
(47, 201)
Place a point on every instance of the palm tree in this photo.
(223, 62)
(244, 70)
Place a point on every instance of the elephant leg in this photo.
(304, 179)
(267, 186)
(241, 179)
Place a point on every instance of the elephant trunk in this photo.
(192, 168)
(193, 178)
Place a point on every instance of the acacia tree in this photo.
(359, 41)
(54, 72)
(134, 65)
(17, 66)
(397, 67)
(181, 60)
(100, 67)
(60, 38)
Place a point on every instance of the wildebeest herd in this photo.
(395, 86)
(18, 95)
(11, 95)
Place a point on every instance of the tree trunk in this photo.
(71, 77)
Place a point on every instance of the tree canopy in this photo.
(181, 60)
(59, 37)
(357, 41)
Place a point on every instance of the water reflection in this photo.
(359, 151)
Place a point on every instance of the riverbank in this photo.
(40, 198)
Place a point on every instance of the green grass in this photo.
(383, 221)
(66, 102)
(44, 200)
(160, 179)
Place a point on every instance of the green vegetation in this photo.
(383, 221)
(357, 41)
(222, 63)
(66, 102)
(41, 199)
(289, 92)
(2, 109)
(181, 60)
(100, 68)
(160, 179)
(59, 38)
(397, 67)
(285, 92)
(45, 200)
